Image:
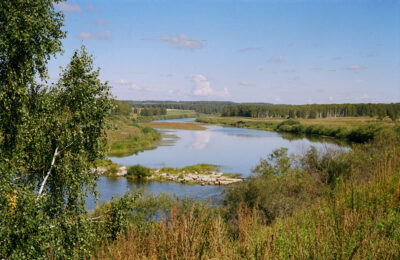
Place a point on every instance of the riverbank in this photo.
(175, 125)
(204, 174)
(171, 114)
(125, 137)
(351, 129)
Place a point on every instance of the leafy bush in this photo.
(279, 188)
(138, 171)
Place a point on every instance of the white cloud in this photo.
(182, 41)
(356, 67)
(75, 8)
(106, 35)
(127, 83)
(202, 87)
(122, 82)
(330, 98)
(277, 99)
(276, 59)
(101, 22)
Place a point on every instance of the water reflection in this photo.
(201, 139)
(113, 187)
(235, 150)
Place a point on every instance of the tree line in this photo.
(391, 110)
(205, 107)
(150, 111)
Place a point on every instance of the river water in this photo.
(234, 150)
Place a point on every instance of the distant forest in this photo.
(267, 110)
(205, 107)
(314, 111)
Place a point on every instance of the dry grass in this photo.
(356, 220)
(173, 125)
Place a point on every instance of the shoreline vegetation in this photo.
(204, 174)
(323, 205)
(129, 133)
(125, 137)
(170, 115)
(356, 130)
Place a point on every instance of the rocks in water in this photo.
(209, 178)
(122, 171)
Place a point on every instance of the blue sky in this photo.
(278, 51)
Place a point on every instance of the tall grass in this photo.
(357, 217)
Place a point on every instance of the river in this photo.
(234, 150)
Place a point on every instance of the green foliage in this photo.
(138, 172)
(279, 188)
(50, 136)
(26, 45)
(206, 107)
(357, 134)
(153, 111)
(127, 138)
(313, 111)
(122, 108)
(278, 162)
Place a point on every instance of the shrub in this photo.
(138, 171)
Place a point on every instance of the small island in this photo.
(204, 174)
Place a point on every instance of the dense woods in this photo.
(314, 111)
(206, 107)
(151, 111)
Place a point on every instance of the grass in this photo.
(331, 121)
(357, 218)
(179, 112)
(357, 129)
(126, 138)
(201, 168)
(175, 125)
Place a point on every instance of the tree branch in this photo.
(48, 173)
